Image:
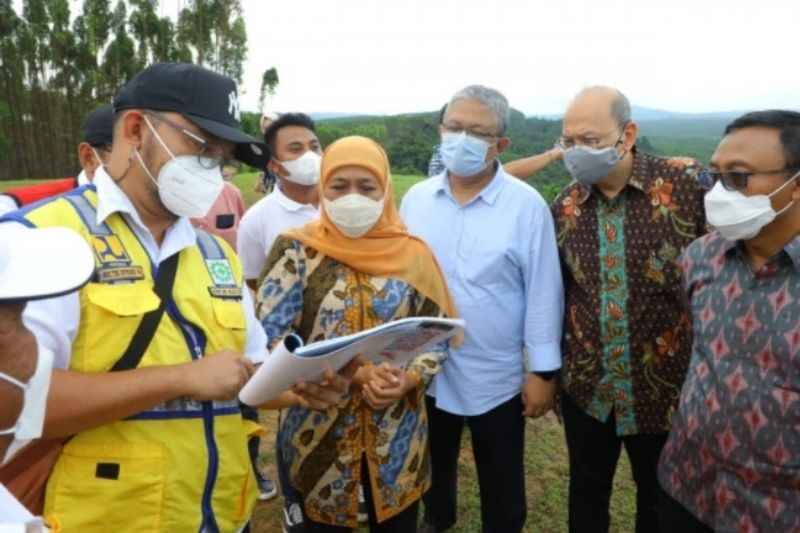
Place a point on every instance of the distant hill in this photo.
(651, 114)
(331, 116)
(640, 114)
(647, 113)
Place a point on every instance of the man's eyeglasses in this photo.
(565, 143)
(210, 155)
(736, 180)
(450, 128)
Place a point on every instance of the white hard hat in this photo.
(38, 263)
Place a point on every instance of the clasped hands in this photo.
(383, 385)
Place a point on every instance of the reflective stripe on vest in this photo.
(150, 472)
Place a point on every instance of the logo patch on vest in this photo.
(114, 262)
(109, 251)
(221, 272)
(225, 285)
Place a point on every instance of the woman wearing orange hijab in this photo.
(353, 269)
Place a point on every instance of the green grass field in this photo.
(245, 182)
(546, 466)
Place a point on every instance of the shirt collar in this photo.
(111, 199)
(792, 249)
(82, 179)
(488, 194)
(286, 202)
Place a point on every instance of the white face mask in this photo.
(305, 169)
(739, 217)
(354, 214)
(185, 187)
(31, 419)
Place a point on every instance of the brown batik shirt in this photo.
(627, 337)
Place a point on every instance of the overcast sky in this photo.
(394, 56)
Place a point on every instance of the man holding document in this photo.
(150, 355)
(354, 269)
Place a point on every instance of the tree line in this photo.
(56, 66)
(409, 140)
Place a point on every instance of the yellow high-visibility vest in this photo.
(181, 466)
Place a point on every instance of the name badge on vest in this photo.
(114, 264)
(224, 283)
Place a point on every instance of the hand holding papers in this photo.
(396, 342)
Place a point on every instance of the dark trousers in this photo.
(403, 522)
(498, 445)
(594, 449)
(290, 495)
(672, 516)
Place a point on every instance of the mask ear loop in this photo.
(280, 163)
(97, 156)
(135, 152)
(158, 137)
(619, 140)
(17, 383)
(779, 189)
(139, 156)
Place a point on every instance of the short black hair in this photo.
(788, 124)
(287, 119)
(441, 113)
(98, 128)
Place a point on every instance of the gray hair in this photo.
(620, 107)
(489, 97)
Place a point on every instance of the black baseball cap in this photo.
(207, 99)
(98, 129)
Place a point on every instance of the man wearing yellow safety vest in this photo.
(150, 355)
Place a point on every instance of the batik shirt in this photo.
(316, 297)
(627, 339)
(733, 456)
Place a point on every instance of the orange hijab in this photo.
(386, 250)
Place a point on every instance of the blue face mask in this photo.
(463, 155)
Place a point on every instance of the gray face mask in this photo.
(590, 165)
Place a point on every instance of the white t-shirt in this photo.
(263, 222)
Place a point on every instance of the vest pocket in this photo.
(123, 300)
(229, 313)
(109, 487)
(110, 315)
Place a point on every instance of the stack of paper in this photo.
(395, 342)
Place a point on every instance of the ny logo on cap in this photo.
(233, 105)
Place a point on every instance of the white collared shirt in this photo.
(83, 179)
(55, 321)
(261, 225)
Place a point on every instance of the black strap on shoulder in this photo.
(164, 281)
